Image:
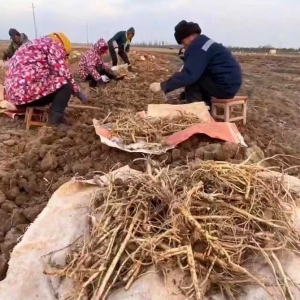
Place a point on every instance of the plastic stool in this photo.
(227, 106)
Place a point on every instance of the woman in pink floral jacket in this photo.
(92, 67)
(39, 75)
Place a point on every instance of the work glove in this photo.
(104, 78)
(155, 87)
(181, 53)
(82, 97)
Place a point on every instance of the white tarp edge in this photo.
(65, 219)
(62, 222)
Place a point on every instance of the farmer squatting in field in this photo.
(92, 68)
(39, 75)
(17, 40)
(121, 41)
(209, 68)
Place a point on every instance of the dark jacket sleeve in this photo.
(195, 62)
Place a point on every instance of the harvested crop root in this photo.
(132, 127)
(122, 71)
(207, 219)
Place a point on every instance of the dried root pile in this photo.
(122, 71)
(207, 220)
(132, 127)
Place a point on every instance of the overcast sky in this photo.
(231, 22)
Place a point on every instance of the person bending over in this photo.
(92, 68)
(39, 75)
(17, 40)
(209, 68)
(121, 41)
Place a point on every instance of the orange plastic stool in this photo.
(227, 106)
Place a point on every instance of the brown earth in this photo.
(273, 117)
(34, 164)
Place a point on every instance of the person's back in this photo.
(24, 39)
(119, 38)
(92, 59)
(222, 67)
(209, 68)
(88, 57)
(25, 73)
(30, 75)
(29, 54)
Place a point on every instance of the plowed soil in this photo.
(35, 163)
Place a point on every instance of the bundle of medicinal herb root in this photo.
(122, 71)
(132, 127)
(206, 219)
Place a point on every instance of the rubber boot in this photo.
(56, 119)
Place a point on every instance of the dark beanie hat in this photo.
(12, 32)
(184, 29)
(131, 30)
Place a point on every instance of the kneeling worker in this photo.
(39, 75)
(209, 68)
(121, 41)
(92, 68)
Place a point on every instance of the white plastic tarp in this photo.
(65, 219)
(219, 130)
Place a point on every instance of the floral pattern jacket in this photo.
(91, 60)
(37, 69)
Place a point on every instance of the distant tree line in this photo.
(260, 49)
(264, 49)
(152, 44)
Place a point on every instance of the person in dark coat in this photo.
(209, 68)
(17, 40)
(121, 41)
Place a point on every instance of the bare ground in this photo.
(34, 164)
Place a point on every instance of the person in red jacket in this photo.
(39, 75)
(92, 68)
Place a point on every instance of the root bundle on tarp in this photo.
(206, 219)
(132, 127)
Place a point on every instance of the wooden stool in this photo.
(36, 116)
(227, 105)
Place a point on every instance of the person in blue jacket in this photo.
(209, 68)
(121, 41)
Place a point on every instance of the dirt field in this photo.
(273, 117)
(34, 164)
